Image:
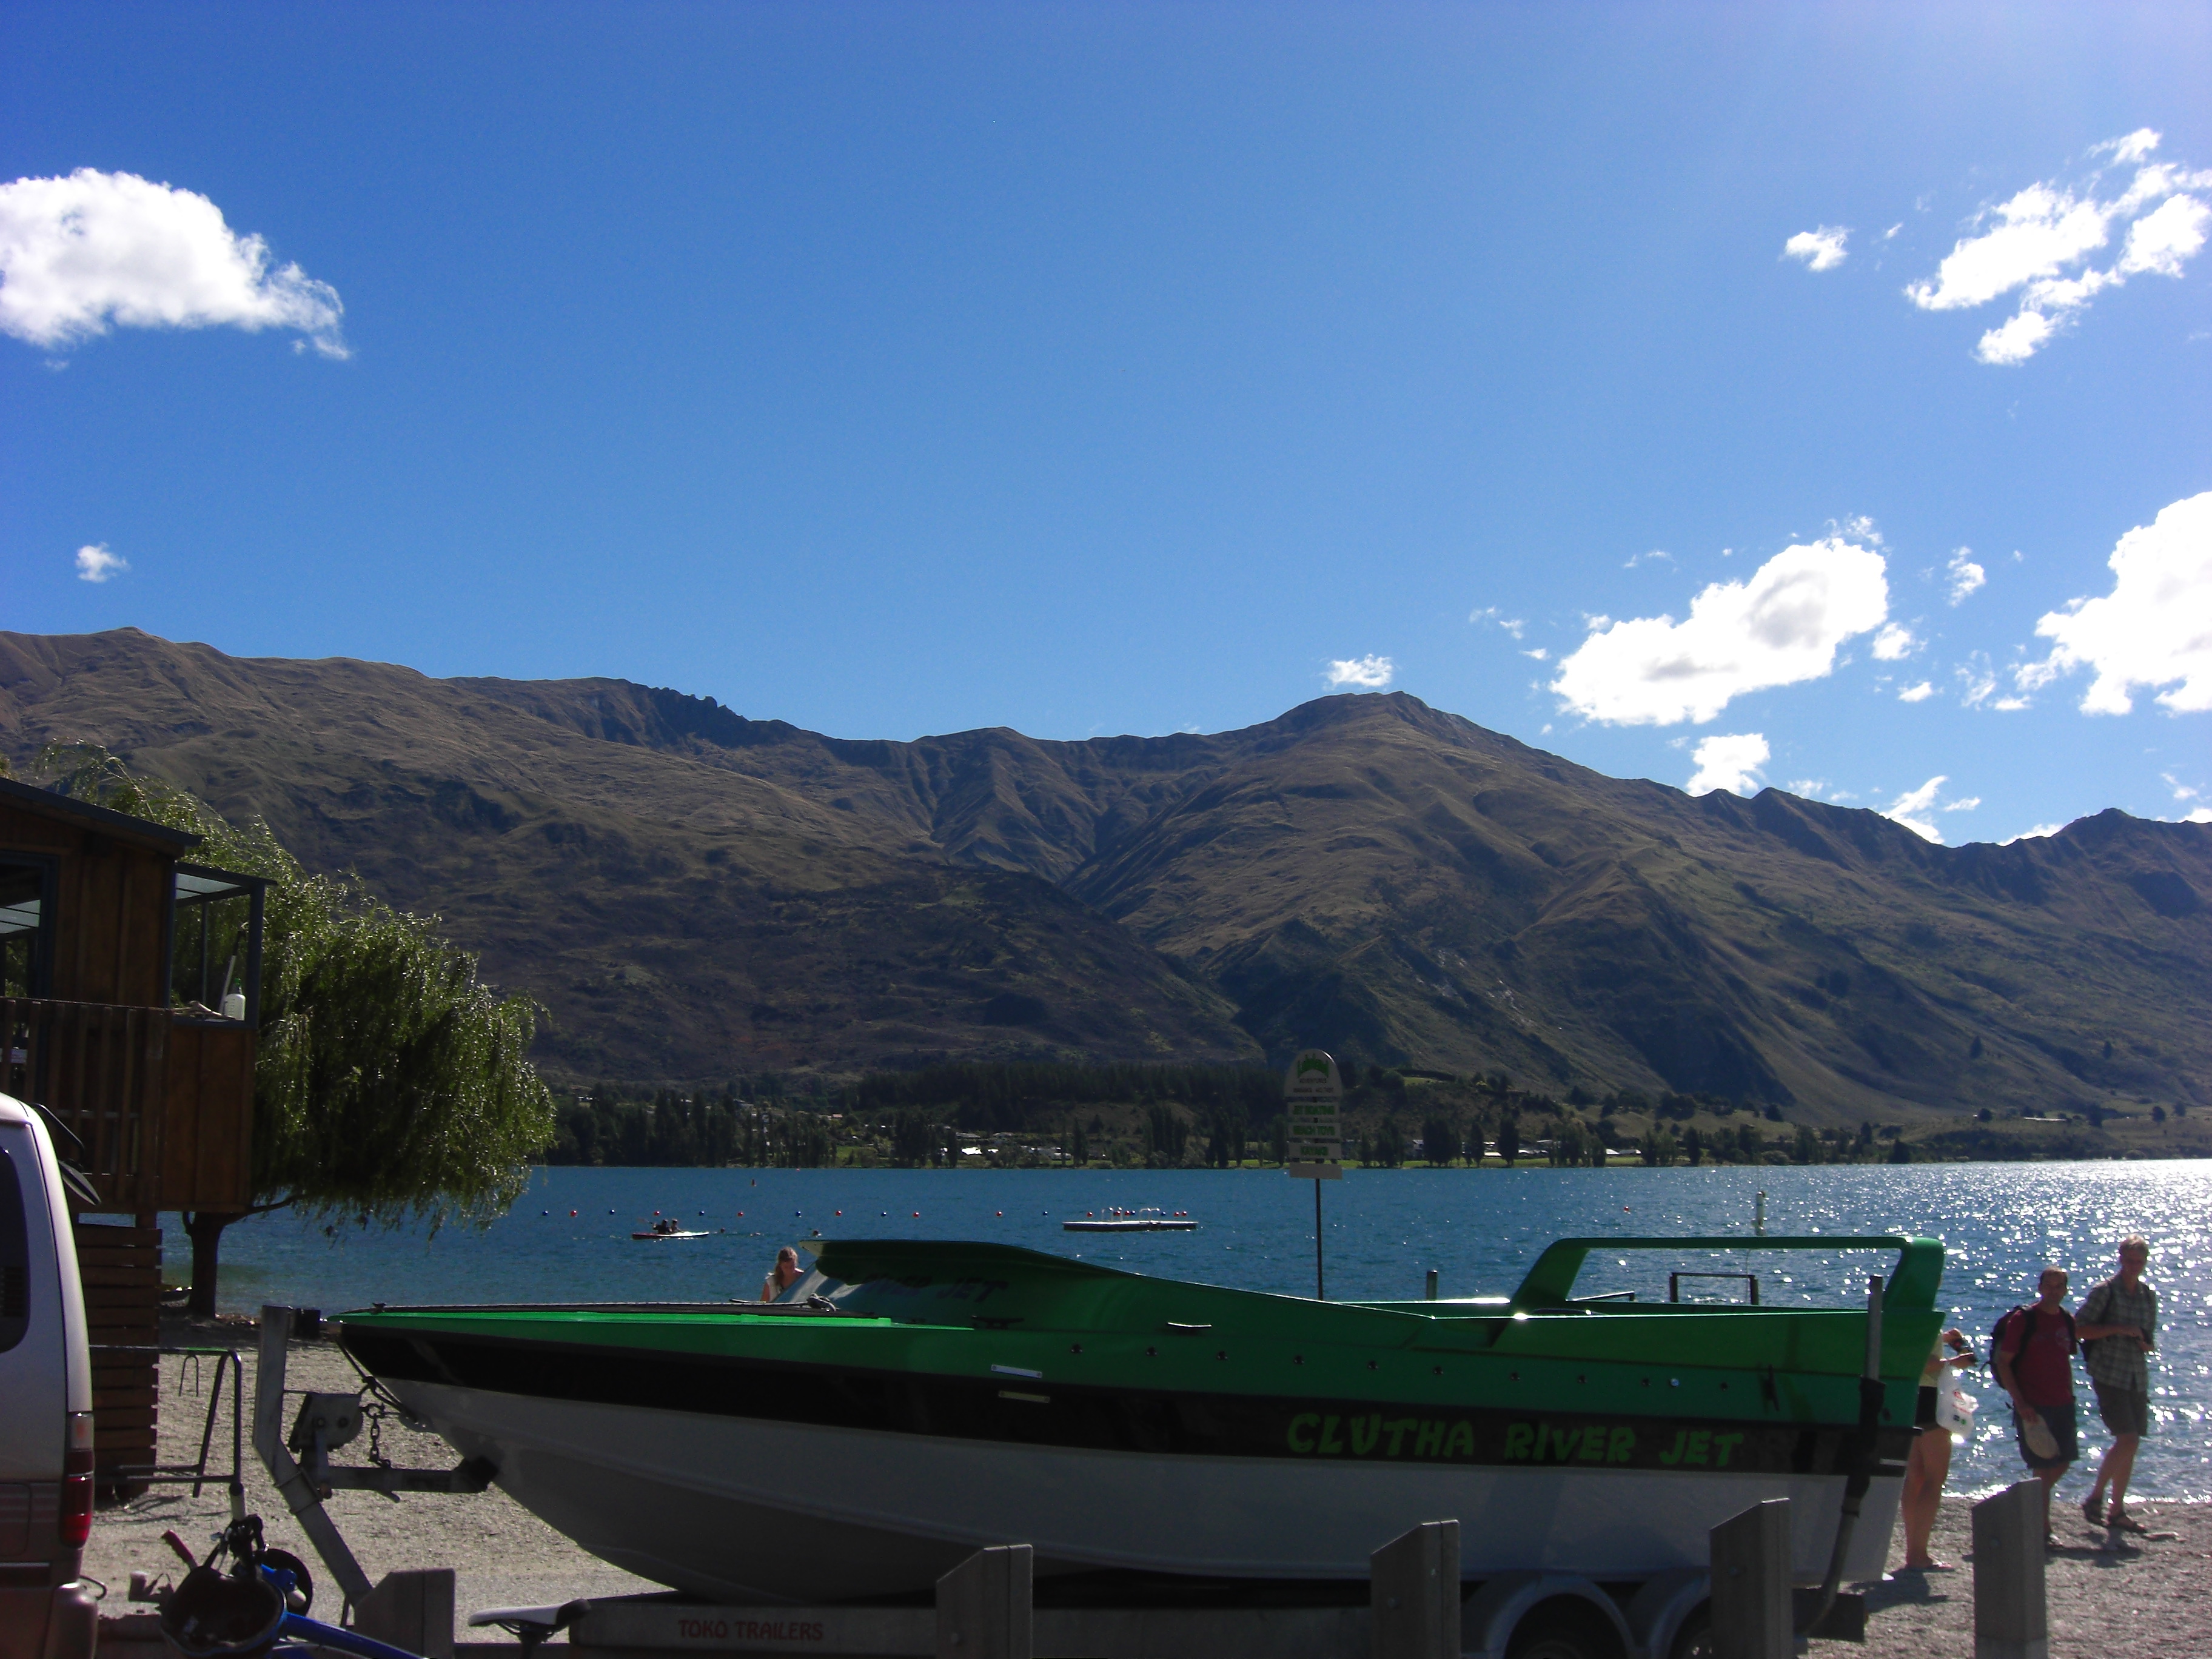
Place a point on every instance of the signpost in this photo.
(1313, 1095)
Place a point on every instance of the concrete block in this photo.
(2011, 1616)
(1752, 1603)
(985, 1609)
(411, 1610)
(1413, 1593)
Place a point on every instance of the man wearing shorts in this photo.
(2034, 1363)
(2118, 1332)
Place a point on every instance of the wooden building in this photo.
(110, 1019)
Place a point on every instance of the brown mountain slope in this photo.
(678, 918)
(694, 892)
(1416, 886)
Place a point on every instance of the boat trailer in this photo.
(1418, 1606)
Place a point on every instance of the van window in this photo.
(14, 1258)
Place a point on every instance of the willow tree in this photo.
(390, 1082)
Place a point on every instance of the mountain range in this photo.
(693, 894)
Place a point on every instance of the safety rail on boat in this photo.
(1550, 1282)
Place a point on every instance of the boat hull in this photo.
(741, 1509)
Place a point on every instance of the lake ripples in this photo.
(1383, 1229)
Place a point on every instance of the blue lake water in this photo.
(1383, 1230)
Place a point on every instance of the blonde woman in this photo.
(781, 1277)
(1929, 1464)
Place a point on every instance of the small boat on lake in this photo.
(908, 1401)
(1133, 1221)
(668, 1227)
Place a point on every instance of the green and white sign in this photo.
(1313, 1095)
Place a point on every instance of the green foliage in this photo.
(992, 1096)
(672, 1130)
(1166, 1133)
(389, 1081)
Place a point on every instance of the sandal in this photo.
(2093, 1511)
(2121, 1521)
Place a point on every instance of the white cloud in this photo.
(1370, 672)
(2133, 147)
(1978, 680)
(1820, 250)
(2181, 791)
(2015, 340)
(1920, 693)
(1966, 575)
(2201, 815)
(1490, 613)
(1811, 788)
(1539, 653)
(1895, 643)
(1728, 761)
(2039, 241)
(1890, 234)
(1778, 628)
(1636, 559)
(2162, 241)
(1913, 808)
(79, 254)
(2036, 834)
(2153, 629)
(97, 564)
(1965, 804)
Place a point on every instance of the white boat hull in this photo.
(743, 1510)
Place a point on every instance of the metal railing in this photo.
(101, 1069)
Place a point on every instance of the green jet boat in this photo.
(907, 1402)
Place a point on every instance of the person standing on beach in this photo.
(2120, 1332)
(1929, 1464)
(2034, 1363)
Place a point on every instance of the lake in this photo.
(1383, 1230)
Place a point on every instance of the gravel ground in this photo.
(2149, 1599)
(501, 1554)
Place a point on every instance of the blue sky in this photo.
(1088, 370)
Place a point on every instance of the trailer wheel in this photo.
(1695, 1639)
(1564, 1628)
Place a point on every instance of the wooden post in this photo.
(1414, 1590)
(2010, 1616)
(1751, 1583)
(411, 1610)
(984, 1609)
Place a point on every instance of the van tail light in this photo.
(76, 1509)
(76, 1481)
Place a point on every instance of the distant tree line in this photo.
(966, 1115)
(989, 1096)
(670, 1129)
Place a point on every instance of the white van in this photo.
(45, 1406)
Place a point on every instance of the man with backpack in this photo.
(2119, 1329)
(2032, 1349)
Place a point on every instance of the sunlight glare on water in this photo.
(1480, 1230)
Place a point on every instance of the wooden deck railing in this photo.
(103, 1072)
